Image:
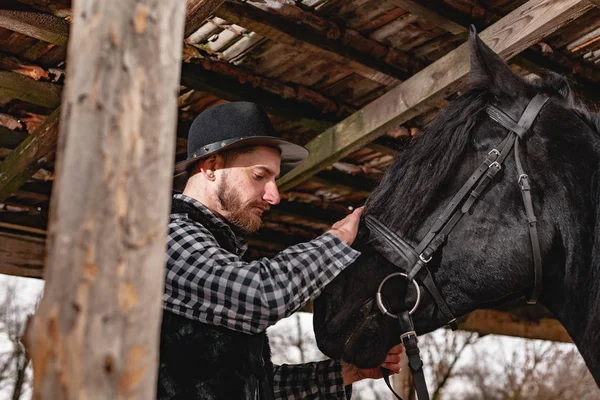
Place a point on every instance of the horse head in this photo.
(487, 258)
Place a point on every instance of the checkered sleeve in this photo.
(316, 380)
(207, 283)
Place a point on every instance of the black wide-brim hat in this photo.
(236, 125)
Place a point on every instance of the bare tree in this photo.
(15, 371)
(527, 369)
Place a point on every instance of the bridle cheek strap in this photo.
(520, 128)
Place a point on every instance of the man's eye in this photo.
(258, 177)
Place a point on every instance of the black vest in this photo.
(200, 361)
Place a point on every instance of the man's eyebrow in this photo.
(267, 170)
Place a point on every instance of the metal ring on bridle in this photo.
(380, 301)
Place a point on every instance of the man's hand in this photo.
(392, 362)
(347, 228)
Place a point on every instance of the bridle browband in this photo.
(400, 253)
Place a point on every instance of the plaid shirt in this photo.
(207, 283)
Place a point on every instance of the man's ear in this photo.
(208, 166)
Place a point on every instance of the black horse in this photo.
(487, 258)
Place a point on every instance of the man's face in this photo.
(247, 187)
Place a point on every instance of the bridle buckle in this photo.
(496, 165)
(407, 335)
(423, 259)
(521, 177)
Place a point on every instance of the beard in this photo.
(239, 213)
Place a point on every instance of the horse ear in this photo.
(489, 71)
(559, 85)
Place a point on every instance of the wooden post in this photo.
(96, 332)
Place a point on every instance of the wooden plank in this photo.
(506, 323)
(23, 161)
(521, 28)
(99, 320)
(233, 84)
(36, 24)
(11, 139)
(207, 79)
(339, 50)
(528, 59)
(414, 7)
(17, 86)
(197, 12)
(59, 8)
(21, 255)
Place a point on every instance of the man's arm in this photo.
(315, 380)
(207, 283)
(327, 379)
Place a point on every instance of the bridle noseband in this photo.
(413, 260)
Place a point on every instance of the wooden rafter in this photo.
(21, 255)
(528, 59)
(383, 64)
(505, 323)
(59, 8)
(416, 8)
(23, 161)
(11, 139)
(35, 24)
(595, 2)
(197, 12)
(233, 83)
(518, 30)
(17, 86)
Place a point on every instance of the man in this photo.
(216, 306)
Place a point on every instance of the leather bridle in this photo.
(413, 260)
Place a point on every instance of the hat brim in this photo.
(291, 154)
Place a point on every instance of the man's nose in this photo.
(271, 193)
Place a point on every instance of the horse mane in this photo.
(438, 150)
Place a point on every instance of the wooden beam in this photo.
(233, 84)
(59, 8)
(21, 255)
(10, 139)
(595, 2)
(17, 86)
(414, 7)
(506, 323)
(528, 59)
(381, 64)
(310, 108)
(524, 26)
(99, 320)
(36, 24)
(23, 161)
(197, 12)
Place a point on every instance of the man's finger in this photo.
(397, 349)
(392, 358)
(394, 367)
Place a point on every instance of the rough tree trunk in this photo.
(95, 335)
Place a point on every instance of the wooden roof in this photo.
(310, 63)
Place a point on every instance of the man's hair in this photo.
(228, 157)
